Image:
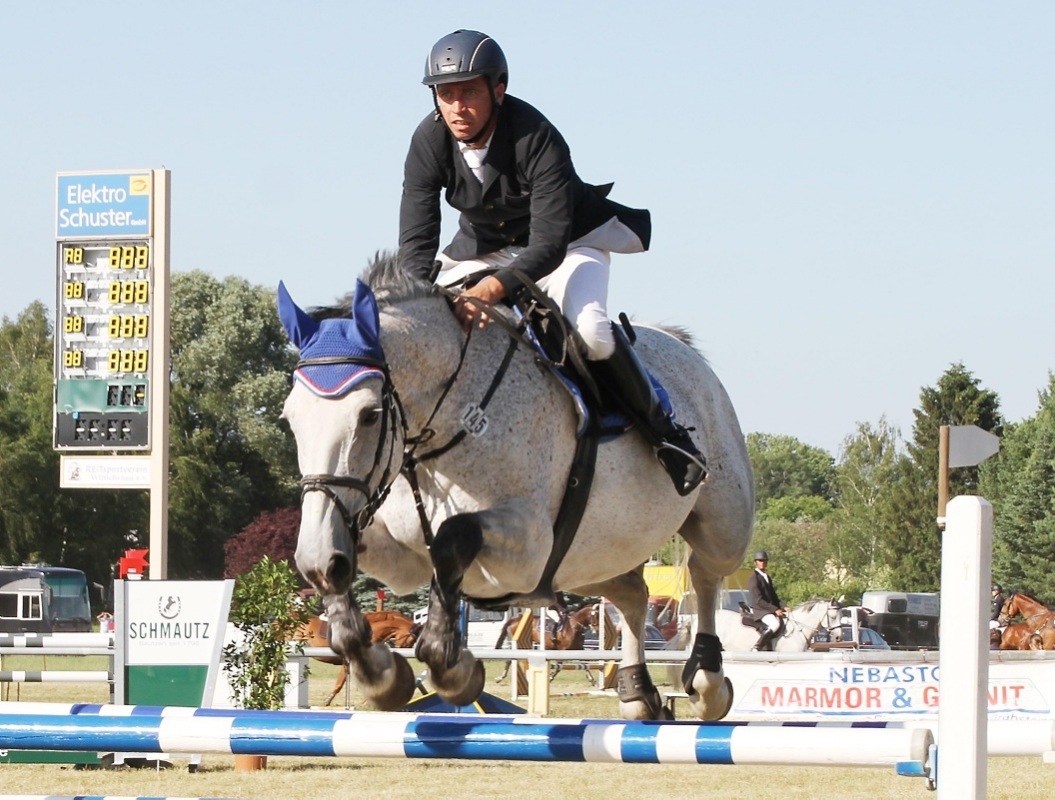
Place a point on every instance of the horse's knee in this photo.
(458, 541)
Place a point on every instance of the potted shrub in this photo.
(268, 612)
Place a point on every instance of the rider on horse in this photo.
(525, 211)
(767, 609)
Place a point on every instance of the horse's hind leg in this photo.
(638, 697)
(342, 678)
(454, 672)
(716, 552)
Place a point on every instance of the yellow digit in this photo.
(115, 257)
(127, 325)
(141, 256)
(141, 360)
(128, 255)
(114, 294)
(142, 292)
(114, 360)
(126, 360)
(127, 291)
(142, 326)
(113, 326)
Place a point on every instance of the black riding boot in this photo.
(764, 640)
(628, 384)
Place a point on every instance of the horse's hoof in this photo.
(729, 705)
(400, 690)
(471, 689)
(703, 710)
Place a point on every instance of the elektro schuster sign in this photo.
(104, 252)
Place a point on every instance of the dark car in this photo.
(653, 638)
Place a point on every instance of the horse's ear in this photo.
(364, 313)
(299, 326)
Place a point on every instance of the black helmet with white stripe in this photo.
(462, 56)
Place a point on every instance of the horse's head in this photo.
(1009, 609)
(806, 618)
(346, 419)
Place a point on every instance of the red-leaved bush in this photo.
(273, 534)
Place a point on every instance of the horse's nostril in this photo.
(340, 572)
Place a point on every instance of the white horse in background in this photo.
(407, 425)
(799, 626)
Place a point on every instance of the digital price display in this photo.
(103, 344)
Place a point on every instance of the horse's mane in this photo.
(393, 285)
(390, 283)
(809, 605)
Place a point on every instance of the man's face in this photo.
(760, 564)
(466, 106)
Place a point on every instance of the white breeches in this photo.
(771, 621)
(579, 287)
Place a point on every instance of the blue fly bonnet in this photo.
(353, 344)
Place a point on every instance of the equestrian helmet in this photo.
(463, 55)
(997, 587)
(761, 555)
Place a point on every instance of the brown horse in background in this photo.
(392, 627)
(567, 634)
(1035, 632)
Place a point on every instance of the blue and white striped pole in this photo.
(460, 736)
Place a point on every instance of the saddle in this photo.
(748, 620)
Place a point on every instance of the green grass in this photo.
(287, 777)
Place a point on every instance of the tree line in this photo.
(833, 524)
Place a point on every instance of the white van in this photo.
(484, 627)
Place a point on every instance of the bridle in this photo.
(1007, 610)
(391, 412)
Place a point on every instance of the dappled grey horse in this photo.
(432, 455)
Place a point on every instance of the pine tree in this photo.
(913, 549)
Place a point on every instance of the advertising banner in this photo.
(903, 687)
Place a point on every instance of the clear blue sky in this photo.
(847, 197)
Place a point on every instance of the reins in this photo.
(411, 461)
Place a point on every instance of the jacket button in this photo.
(501, 223)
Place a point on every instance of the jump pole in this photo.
(462, 736)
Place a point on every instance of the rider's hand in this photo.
(489, 290)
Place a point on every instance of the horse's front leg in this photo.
(383, 676)
(457, 676)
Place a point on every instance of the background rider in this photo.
(766, 607)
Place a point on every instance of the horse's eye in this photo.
(370, 416)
